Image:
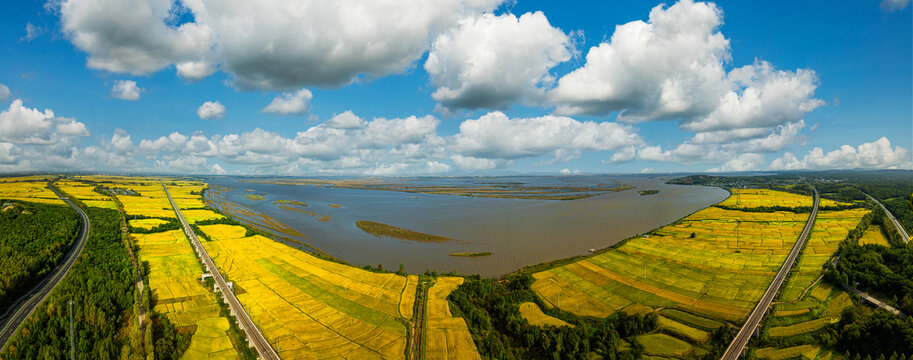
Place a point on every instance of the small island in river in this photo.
(380, 229)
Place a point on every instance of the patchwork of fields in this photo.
(28, 188)
(309, 307)
(85, 192)
(701, 272)
(830, 229)
(715, 263)
(698, 274)
(174, 275)
(806, 304)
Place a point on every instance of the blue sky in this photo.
(465, 86)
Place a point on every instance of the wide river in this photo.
(516, 232)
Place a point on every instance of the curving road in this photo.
(26, 304)
(735, 349)
(264, 350)
(903, 233)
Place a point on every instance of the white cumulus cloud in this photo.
(269, 44)
(4, 92)
(126, 90)
(134, 37)
(296, 103)
(494, 135)
(672, 67)
(872, 155)
(492, 61)
(211, 110)
(741, 162)
(346, 120)
(669, 66)
(23, 125)
(765, 97)
(195, 70)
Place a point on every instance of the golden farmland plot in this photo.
(446, 337)
(313, 307)
(86, 193)
(873, 235)
(702, 273)
(750, 198)
(174, 279)
(33, 191)
(831, 228)
(532, 313)
(146, 223)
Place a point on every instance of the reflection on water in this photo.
(516, 232)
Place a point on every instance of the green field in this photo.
(662, 344)
(690, 319)
(682, 329)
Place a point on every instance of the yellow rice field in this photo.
(174, 279)
(532, 313)
(309, 307)
(86, 193)
(749, 198)
(146, 223)
(806, 351)
(446, 337)
(174, 271)
(33, 191)
(873, 235)
(692, 264)
(38, 178)
(831, 228)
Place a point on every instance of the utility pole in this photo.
(72, 340)
(737, 224)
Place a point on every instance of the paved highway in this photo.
(903, 233)
(734, 351)
(264, 350)
(25, 305)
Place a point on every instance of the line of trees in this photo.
(794, 209)
(100, 284)
(168, 225)
(33, 239)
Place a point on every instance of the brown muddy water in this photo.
(516, 232)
